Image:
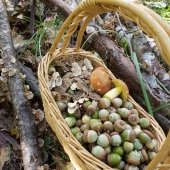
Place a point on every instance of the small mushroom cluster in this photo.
(110, 128)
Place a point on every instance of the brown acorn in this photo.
(133, 119)
(119, 125)
(104, 103)
(108, 126)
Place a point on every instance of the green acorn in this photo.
(71, 121)
(98, 152)
(144, 123)
(113, 159)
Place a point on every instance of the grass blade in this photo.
(143, 87)
(162, 107)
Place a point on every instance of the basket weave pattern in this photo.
(88, 9)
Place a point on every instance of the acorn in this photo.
(90, 136)
(151, 155)
(141, 157)
(153, 144)
(75, 130)
(133, 119)
(137, 145)
(117, 102)
(79, 123)
(133, 158)
(96, 125)
(111, 109)
(91, 145)
(86, 118)
(137, 129)
(114, 133)
(144, 123)
(77, 114)
(116, 140)
(95, 115)
(104, 103)
(86, 104)
(121, 165)
(149, 133)
(128, 135)
(103, 115)
(119, 125)
(113, 159)
(128, 147)
(71, 92)
(144, 154)
(118, 150)
(103, 140)
(79, 137)
(128, 105)
(107, 126)
(71, 121)
(123, 112)
(85, 127)
(127, 126)
(91, 109)
(131, 167)
(61, 105)
(108, 149)
(51, 70)
(144, 138)
(134, 111)
(113, 117)
(98, 152)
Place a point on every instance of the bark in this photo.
(32, 17)
(144, 53)
(29, 145)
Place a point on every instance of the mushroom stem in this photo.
(113, 93)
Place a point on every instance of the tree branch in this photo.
(29, 146)
(62, 7)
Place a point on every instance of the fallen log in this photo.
(29, 146)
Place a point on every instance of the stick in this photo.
(32, 17)
(29, 146)
(31, 80)
(62, 7)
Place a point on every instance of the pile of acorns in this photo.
(112, 130)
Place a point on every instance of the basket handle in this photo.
(88, 9)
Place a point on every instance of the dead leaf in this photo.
(39, 114)
(13, 60)
(29, 95)
(76, 69)
(88, 64)
(12, 72)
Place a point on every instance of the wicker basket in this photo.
(85, 11)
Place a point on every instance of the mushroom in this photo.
(123, 87)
